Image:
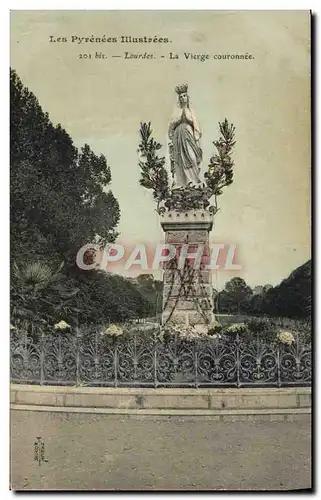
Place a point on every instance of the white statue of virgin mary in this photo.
(184, 148)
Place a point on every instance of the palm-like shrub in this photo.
(40, 295)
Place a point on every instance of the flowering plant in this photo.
(236, 328)
(215, 328)
(62, 325)
(285, 337)
(114, 330)
(185, 332)
(175, 321)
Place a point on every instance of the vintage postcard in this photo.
(160, 179)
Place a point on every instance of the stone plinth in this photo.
(188, 292)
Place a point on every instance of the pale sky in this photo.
(266, 211)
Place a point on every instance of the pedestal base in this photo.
(188, 292)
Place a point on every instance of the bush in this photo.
(236, 328)
(215, 328)
(285, 337)
(269, 328)
(301, 329)
(263, 328)
(259, 325)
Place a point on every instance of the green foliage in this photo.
(236, 329)
(40, 295)
(153, 173)
(152, 290)
(220, 169)
(117, 333)
(258, 325)
(58, 199)
(261, 327)
(292, 298)
(234, 296)
(216, 328)
(43, 297)
(268, 328)
(301, 328)
(106, 297)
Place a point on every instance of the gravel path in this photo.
(87, 452)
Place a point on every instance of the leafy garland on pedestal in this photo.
(220, 169)
(154, 174)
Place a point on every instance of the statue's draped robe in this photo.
(184, 134)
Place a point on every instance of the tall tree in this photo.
(59, 199)
(107, 297)
(152, 290)
(40, 295)
(292, 297)
(235, 295)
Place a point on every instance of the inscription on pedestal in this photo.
(186, 237)
(174, 276)
(188, 290)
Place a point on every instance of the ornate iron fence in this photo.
(93, 360)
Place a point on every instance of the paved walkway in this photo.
(139, 453)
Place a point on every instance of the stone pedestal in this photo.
(188, 292)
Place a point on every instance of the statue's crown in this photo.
(181, 89)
